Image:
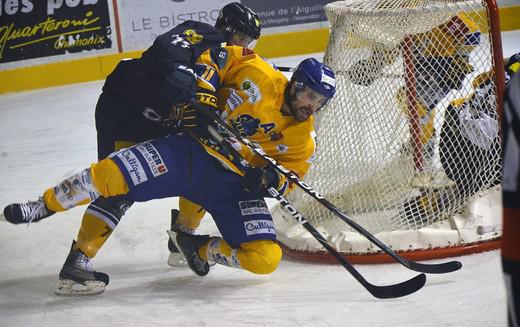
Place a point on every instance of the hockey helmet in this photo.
(235, 17)
(317, 76)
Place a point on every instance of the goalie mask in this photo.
(236, 20)
(317, 76)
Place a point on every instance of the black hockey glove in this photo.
(188, 117)
(184, 117)
(180, 86)
(258, 180)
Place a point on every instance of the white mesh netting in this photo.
(411, 139)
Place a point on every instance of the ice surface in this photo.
(46, 135)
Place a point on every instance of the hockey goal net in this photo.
(409, 147)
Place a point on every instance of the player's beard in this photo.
(300, 113)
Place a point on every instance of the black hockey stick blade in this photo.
(429, 268)
(381, 292)
(398, 290)
(438, 268)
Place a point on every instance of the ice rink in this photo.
(46, 135)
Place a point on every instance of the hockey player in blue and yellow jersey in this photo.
(134, 107)
(258, 101)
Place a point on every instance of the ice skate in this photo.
(77, 278)
(28, 212)
(189, 245)
(176, 258)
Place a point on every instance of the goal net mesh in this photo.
(410, 143)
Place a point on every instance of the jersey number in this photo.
(180, 41)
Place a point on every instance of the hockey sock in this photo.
(259, 257)
(100, 219)
(92, 234)
(190, 214)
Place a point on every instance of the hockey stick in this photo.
(381, 292)
(439, 268)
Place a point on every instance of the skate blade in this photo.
(177, 259)
(67, 287)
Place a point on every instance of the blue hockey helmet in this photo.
(317, 76)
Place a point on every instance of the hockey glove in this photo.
(180, 86)
(258, 180)
(188, 116)
(184, 117)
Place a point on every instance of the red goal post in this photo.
(410, 145)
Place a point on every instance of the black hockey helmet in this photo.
(235, 17)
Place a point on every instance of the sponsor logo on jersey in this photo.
(252, 91)
(153, 159)
(246, 125)
(234, 100)
(253, 207)
(151, 114)
(133, 166)
(192, 36)
(255, 227)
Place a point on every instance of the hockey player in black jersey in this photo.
(134, 106)
(241, 27)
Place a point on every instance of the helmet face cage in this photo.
(315, 75)
(235, 17)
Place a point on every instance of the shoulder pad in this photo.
(219, 56)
